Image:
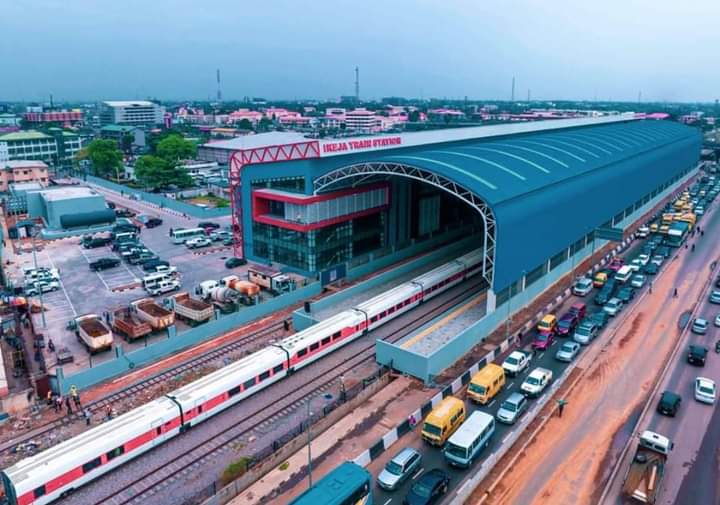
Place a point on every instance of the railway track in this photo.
(160, 474)
(101, 405)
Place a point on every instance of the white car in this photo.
(705, 390)
(717, 320)
(644, 259)
(635, 265)
(613, 306)
(582, 286)
(516, 363)
(195, 243)
(42, 287)
(164, 287)
(643, 231)
(536, 382)
(637, 281)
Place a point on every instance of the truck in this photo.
(192, 310)
(270, 279)
(644, 477)
(92, 332)
(516, 363)
(129, 325)
(224, 298)
(249, 291)
(155, 315)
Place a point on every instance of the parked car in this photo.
(699, 326)
(208, 224)
(399, 468)
(567, 351)
(669, 403)
(613, 306)
(428, 488)
(626, 294)
(124, 213)
(697, 355)
(228, 241)
(151, 265)
(104, 263)
(198, 242)
(137, 259)
(164, 287)
(42, 287)
(638, 281)
(644, 259)
(705, 390)
(600, 318)
(235, 262)
(96, 242)
(651, 268)
(512, 408)
(219, 235)
(566, 325)
(582, 286)
(717, 320)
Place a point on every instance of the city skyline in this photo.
(86, 51)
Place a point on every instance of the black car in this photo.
(428, 488)
(149, 265)
(96, 242)
(111, 205)
(626, 294)
(124, 213)
(104, 263)
(651, 269)
(717, 282)
(696, 355)
(599, 318)
(208, 224)
(235, 262)
(153, 222)
(669, 403)
(604, 295)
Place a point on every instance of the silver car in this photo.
(511, 409)
(567, 351)
(398, 469)
(613, 306)
(699, 326)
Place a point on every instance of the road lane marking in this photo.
(417, 474)
(506, 437)
(490, 404)
(541, 355)
(511, 384)
(388, 501)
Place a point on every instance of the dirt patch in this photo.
(632, 332)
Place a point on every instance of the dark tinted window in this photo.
(40, 491)
(234, 391)
(118, 451)
(301, 353)
(264, 375)
(325, 341)
(278, 369)
(90, 465)
(249, 383)
(314, 346)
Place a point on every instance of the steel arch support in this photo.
(364, 170)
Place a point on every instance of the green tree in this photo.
(104, 156)
(245, 124)
(126, 143)
(156, 172)
(174, 148)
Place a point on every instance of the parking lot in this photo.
(83, 291)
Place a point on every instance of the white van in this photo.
(624, 274)
(471, 437)
(153, 280)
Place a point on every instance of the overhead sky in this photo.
(169, 49)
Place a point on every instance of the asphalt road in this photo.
(433, 458)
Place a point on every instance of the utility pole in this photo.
(219, 92)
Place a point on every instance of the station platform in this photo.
(435, 334)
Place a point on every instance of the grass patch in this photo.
(284, 466)
(235, 470)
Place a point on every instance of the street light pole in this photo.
(42, 307)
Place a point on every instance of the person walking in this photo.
(49, 397)
(561, 406)
(76, 400)
(58, 403)
(650, 288)
(692, 249)
(68, 406)
(675, 293)
(87, 415)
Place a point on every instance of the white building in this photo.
(138, 113)
(361, 120)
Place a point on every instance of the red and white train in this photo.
(57, 471)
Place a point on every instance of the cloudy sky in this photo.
(559, 49)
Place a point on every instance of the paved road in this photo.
(432, 457)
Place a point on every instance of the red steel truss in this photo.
(254, 156)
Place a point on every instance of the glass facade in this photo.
(292, 184)
(317, 250)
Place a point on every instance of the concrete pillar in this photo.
(172, 331)
(491, 302)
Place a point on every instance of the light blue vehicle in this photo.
(464, 446)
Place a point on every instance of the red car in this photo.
(543, 340)
(579, 309)
(616, 264)
(566, 325)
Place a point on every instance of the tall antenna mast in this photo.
(357, 84)
(512, 91)
(219, 93)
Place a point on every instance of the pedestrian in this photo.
(67, 405)
(519, 337)
(675, 293)
(692, 249)
(109, 415)
(412, 422)
(58, 403)
(686, 245)
(650, 288)
(30, 395)
(561, 406)
(87, 415)
(76, 400)
(170, 232)
(49, 397)
(702, 233)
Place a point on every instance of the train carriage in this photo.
(390, 304)
(55, 472)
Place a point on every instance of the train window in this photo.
(39, 491)
(325, 341)
(336, 335)
(314, 346)
(373, 319)
(158, 430)
(234, 391)
(301, 353)
(118, 451)
(249, 383)
(200, 409)
(278, 369)
(264, 375)
(391, 310)
(91, 465)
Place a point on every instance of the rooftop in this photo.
(118, 128)
(128, 103)
(24, 135)
(66, 193)
(22, 164)
(259, 140)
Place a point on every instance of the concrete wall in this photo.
(303, 320)
(123, 362)
(426, 367)
(162, 201)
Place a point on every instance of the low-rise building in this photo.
(57, 149)
(132, 112)
(9, 120)
(16, 172)
(116, 132)
(55, 116)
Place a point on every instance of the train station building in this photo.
(532, 195)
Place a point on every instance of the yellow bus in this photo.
(485, 384)
(443, 420)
